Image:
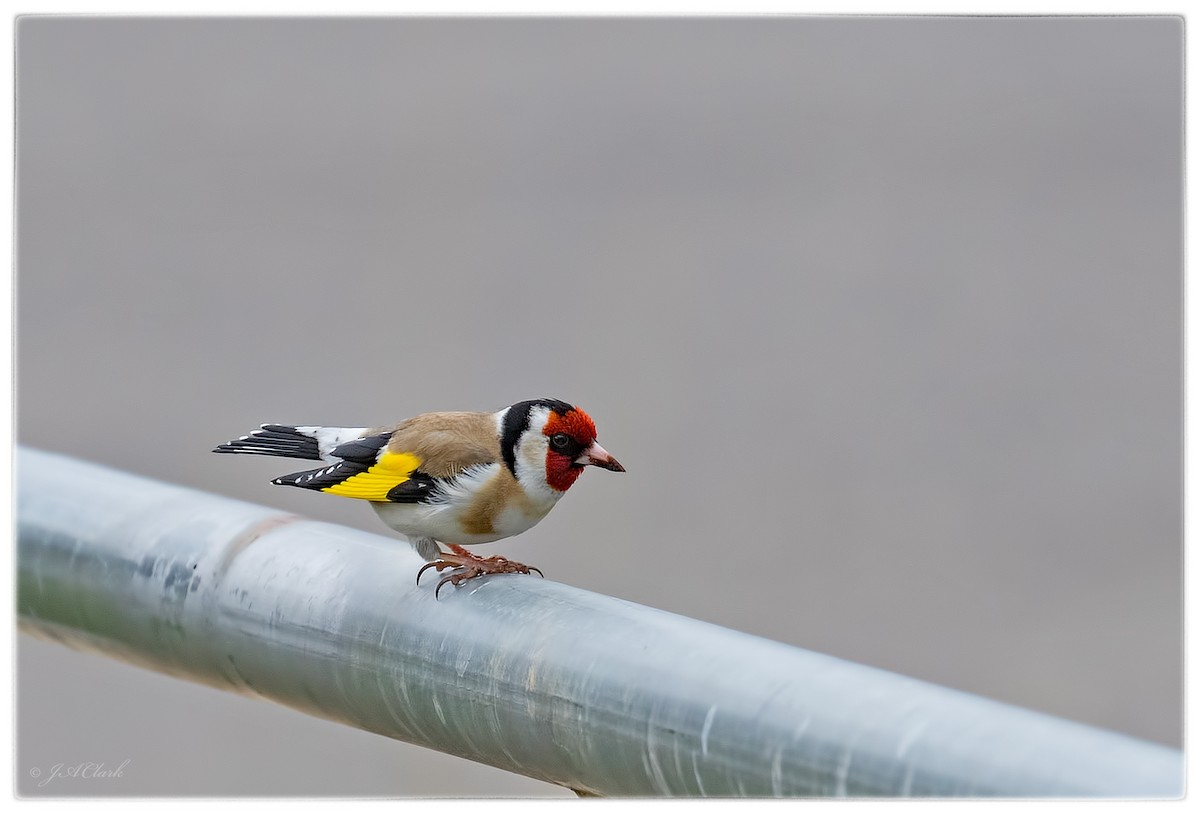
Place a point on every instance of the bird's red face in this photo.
(571, 446)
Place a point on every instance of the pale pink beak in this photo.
(596, 455)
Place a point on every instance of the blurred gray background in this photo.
(883, 316)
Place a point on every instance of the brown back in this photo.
(447, 443)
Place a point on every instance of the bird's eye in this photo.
(560, 440)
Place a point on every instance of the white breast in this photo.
(440, 519)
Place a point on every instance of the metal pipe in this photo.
(583, 690)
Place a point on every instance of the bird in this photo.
(458, 478)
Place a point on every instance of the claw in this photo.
(441, 582)
(467, 566)
(438, 564)
(450, 578)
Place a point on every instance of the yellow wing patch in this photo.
(391, 470)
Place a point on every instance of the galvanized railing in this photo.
(593, 693)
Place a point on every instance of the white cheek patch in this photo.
(531, 464)
(531, 459)
(532, 454)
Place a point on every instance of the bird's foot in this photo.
(467, 566)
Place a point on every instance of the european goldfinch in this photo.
(457, 478)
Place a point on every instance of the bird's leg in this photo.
(468, 566)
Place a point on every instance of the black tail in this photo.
(279, 440)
